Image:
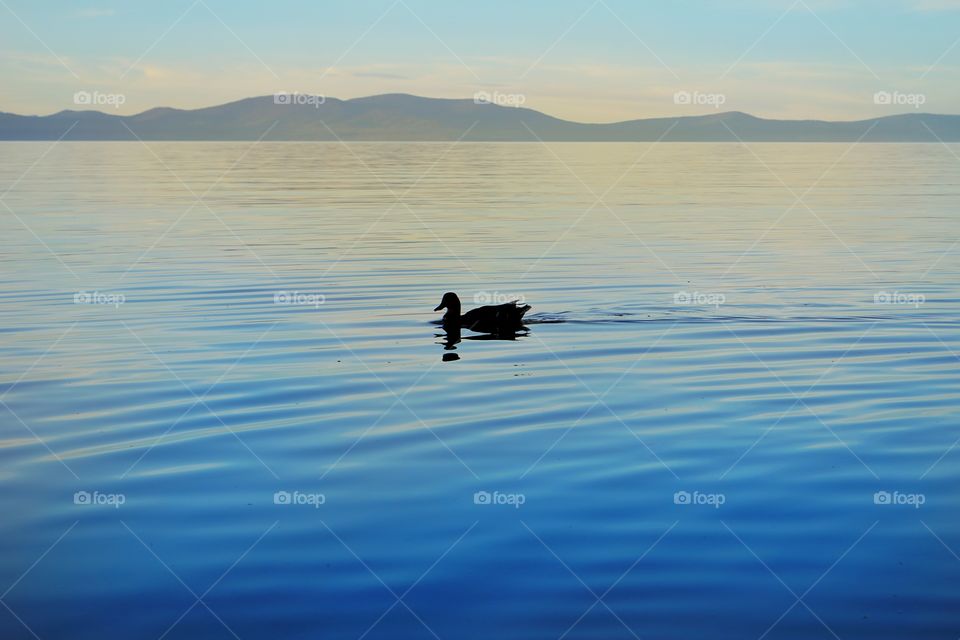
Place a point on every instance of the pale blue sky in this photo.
(582, 59)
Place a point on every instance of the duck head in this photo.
(451, 303)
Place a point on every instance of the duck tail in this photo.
(522, 310)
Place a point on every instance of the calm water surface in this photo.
(733, 416)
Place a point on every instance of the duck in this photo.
(501, 318)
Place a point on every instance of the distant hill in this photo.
(401, 117)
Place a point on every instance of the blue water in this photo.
(228, 351)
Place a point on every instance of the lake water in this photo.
(226, 413)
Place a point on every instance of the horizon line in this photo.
(472, 100)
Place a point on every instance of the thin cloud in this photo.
(96, 13)
(379, 74)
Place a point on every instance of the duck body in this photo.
(500, 318)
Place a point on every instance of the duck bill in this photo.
(439, 306)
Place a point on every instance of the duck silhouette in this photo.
(495, 319)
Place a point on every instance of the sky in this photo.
(586, 60)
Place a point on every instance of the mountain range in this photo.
(402, 117)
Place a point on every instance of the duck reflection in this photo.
(451, 336)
